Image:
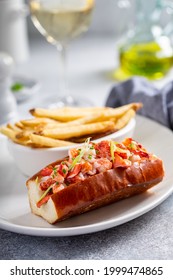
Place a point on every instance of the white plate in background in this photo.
(30, 88)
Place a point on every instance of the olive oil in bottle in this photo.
(147, 48)
(151, 60)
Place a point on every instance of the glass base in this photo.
(67, 101)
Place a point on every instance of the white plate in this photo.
(14, 207)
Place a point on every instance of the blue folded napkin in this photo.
(157, 103)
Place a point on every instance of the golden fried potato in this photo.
(11, 134)
(64, 126)
(37, 121)
(124, 120)
(79, 130)
(48, 142)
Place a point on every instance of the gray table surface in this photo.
(147, 237)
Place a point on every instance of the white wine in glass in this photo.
(60, 21)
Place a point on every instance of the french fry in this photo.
(48, 142)
(64, 126)
(14, 127)
(124, 120)
(66, 115)
(78, 131)
(19, 125)
(11, 134)
(37, 121)
(66, 110)
(55, 114)
(24, 135)
(117, 113)
(70, 115)
(84, 120)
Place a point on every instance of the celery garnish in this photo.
(44, 194)
(82, 151)
(112, 150)
(36, 180)
(77, 159)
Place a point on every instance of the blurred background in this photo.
(126, 38)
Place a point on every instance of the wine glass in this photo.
(59, 21)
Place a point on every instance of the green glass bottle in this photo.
(147, 50)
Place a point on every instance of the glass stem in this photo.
(63, 81)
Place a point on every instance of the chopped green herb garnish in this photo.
(54, 170)
(90, 156)
(17, 87)
(64, 171)
(91, 148)
(57, 183)
(132, 146)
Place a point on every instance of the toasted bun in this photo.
(96, 191)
